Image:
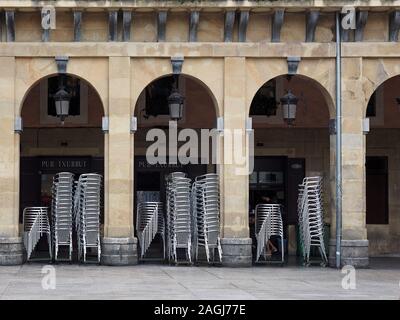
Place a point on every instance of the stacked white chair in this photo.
(161, 227)
(268, 223)
(311, 222)
(178, 216)
(148, 196)
(87, 204)
(206, 216)
(36, 224)
(61, 212)
(149, 223)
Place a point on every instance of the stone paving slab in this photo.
(149, 282)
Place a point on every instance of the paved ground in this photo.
(382, 281)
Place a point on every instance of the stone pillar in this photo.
(119, 247)
(236, 244)
(354, 232)
(11, 246)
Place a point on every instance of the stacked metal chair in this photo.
(161, 226)
(61, 211)
(87, 204)
(36, 224)
(268, 223)
(149, 223)
(147, 196)
(178, 216)
(206, 215)
(311, 222)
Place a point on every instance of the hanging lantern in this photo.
(175, 105)
(62, 99)
(289, 105)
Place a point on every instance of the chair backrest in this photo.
(269, 214)
(38, 215)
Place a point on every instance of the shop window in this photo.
(272, 178)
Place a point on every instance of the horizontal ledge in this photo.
(201, 49)
(151, 4)
(371, 49)
(154, 49)
(10, 240)
(115, 240)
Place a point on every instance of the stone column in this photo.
(119, 247)
(236, 244)
(11, 246)
(354, 232)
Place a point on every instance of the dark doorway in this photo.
(29, 187)
(278, 178)
(150, 185)
(377, 211)
(296, 171)
(149, 177)
(269, 176)
(37, 177)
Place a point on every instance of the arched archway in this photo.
(316, 87)
(286, 153)
(166, 80)
(200, 112)
(49, 146)
(382, 169)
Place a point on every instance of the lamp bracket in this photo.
(293, 64)
(220, 124)
(249, 125)
(18, 126)
(177, 63)
(332, 127)
(105, 124)
(133, 124)
(366, 125)
(62, 62)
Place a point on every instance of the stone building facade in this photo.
(230, 50)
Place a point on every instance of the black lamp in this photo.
(62, 99)
(175, 104)
(289, 105)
